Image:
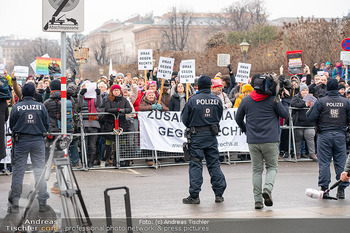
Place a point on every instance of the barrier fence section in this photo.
(127, 152)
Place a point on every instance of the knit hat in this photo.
(341, 86)
(29, 77)
(55, 85)
(151, 82)
(120, 74)
(328, 63)
(303, 86)
(303, 79)
(294, 78)
(149, 92)
(247, 88)
(216, 83)
(332, 84)
(28, 89)
(116, 86)
(204, 82)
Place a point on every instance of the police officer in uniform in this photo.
(201, 115)
(332, 115)
(29, 120)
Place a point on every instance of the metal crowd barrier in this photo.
(127, 152)
(291, 135)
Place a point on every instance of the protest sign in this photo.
(165, 68)
(91, 91)
(295, 62)
(223, 59)
(21, 71)
(145, 59)
(243, 72)
(187, 71)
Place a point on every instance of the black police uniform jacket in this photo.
(331, 113)
(29, 117)
(202, 109)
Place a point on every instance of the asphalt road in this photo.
(158, 193)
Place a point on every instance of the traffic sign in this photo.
(63, 15)
(345, 44)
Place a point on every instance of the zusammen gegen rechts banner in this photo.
(164, 131)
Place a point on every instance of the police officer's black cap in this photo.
(332, 84)
(204, 82)
(28, 89)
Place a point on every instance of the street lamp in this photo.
(244, 48)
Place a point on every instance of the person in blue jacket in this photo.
(201, 116)
(262, 127)
(29, 121)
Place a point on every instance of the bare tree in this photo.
(76, 40)
(176, 33)
(241, 16)
(100, 50)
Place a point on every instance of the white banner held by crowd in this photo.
(164, 131)
(187, 71)
(223, 59)
(165, 68)
(145, 59)
(21, 71)
(243, 72)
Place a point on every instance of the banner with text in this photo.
(164, 131)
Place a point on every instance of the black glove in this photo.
(121, 112)
(40, 78)
(98, 91)
(229, 67)
(83, 91)
(48, 90)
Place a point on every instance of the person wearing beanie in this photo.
(217, 90)
(341, 90)
(202, 114)
(29, 120)
(332, 116)
(258, 116)
(300, 119)
(118, 105)
(246, 90)
(150, 102)
(30, 77)
(338, 70)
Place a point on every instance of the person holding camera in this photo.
(201, 116)
(261, 112)
(331, 115)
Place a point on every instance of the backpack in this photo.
(5, 89)
(70, 121)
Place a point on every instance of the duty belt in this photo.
(202, 128)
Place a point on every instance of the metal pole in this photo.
(63, 84)
(244, 53)
(346, 73)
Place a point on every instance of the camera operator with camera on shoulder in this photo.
(261, 110)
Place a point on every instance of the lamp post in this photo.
(244, 48)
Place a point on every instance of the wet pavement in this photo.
(158, 193)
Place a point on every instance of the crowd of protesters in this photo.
(123, 95)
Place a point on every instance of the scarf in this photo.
(182, 99)
(92, 109)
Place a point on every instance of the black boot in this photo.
(326, 194)
(341, 193)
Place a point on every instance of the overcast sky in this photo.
(23, 18)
